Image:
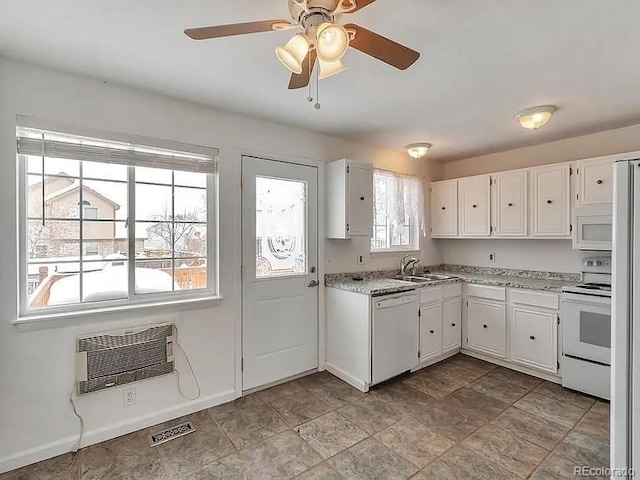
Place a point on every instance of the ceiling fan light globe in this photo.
(332, 42)
(329, 69)
(293, 53)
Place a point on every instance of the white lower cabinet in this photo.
(533, 337)
(487, 326)
(451, 324)
(440, 321)
(518, 326)
(430, 330)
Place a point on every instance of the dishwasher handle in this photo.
(395, 302)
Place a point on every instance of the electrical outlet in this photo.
(129, 397)
(360, 259)
(492, 257)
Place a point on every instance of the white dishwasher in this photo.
(395, 335)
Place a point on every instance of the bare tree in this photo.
(173, 229)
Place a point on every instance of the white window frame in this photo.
(92, 208)
(134, 300)
(414, 228)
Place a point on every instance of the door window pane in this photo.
(281, 224)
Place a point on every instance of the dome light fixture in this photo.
(293, 53)
(418, 150)
(536, 117)
(332, 42)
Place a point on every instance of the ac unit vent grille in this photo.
(111, 359)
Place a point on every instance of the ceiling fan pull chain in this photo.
(317, 105)
(310, 97)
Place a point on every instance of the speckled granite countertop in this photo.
(383, 283)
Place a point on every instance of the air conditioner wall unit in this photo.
(110, 359)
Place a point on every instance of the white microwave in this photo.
(593, 232)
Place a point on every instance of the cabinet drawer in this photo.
(430, 294)
(487, 291)
(453, 290)
(536, 299)
(487, 327)
(533, 338)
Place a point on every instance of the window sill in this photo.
(61, 319)
(394, 252)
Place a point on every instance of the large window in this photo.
(397, 212)
(106, 223)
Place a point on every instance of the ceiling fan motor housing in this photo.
(318, 12)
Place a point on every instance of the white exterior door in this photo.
(280, 279)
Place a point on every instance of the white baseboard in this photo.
(350, 379)
(513, 366)
(64, 445)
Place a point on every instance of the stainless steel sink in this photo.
(435, 276)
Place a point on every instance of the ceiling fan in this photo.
(322, 39)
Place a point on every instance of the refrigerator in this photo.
(625, 354)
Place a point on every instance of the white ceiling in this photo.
(482, 60)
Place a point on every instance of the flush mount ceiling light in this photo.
(418, 150)
(536, 117)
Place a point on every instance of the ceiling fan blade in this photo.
(382, 48)
(302, 80)
(203, 33)
(360, 4)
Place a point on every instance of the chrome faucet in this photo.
(406, 262)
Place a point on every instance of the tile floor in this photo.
(461, 419)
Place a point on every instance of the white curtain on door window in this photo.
(404, 198)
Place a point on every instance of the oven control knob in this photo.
(598, 263)
(589, 263)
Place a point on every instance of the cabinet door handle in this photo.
(453, 324)
(444, 208)
(532, 337)
(600, 182)
(485, 326)
(432, 331)
(510, 204)
(362, 198)
(475, 206)
(549, 202)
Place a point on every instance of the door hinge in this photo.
(348, 168)
(418, 353)
(242, 364)
(241, 272)
(577, 171)
(558, 365)
(347, 227)
(419, 313)
(242, 180)
(570, 171)
(558, 319)
(570, 228)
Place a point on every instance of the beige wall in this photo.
(588, 146)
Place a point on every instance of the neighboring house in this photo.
(58, 237)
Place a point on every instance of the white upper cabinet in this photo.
(550, 188)
(474, 202)
(444, 209)
(349, 191)
(509, 194)
(594, 182)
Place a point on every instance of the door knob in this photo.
(600, 182)
(313, 283)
